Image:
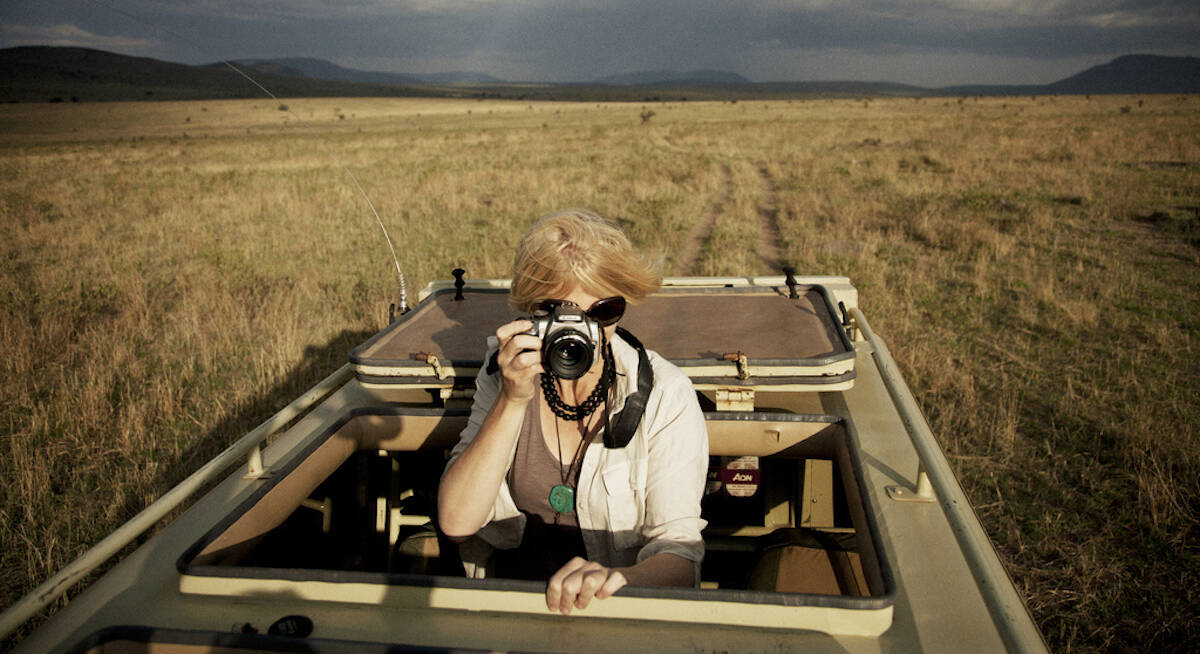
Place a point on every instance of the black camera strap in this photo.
(626, 422)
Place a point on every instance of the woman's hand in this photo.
(520, 360)
(577, 582)
(472, 481)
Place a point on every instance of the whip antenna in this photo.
(403, 305)
(325, 144)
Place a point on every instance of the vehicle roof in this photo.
(939, 601)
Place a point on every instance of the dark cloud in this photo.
(583, 39)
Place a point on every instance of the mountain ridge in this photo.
(1140, 73)
(57, 74)
(47, 73)
(673, 77)
(324, 69)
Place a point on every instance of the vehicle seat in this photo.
(809, 561)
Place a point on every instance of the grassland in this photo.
(173, 273)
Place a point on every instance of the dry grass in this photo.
(175, 272)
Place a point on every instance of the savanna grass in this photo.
(173, 273)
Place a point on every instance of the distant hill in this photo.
(1136, 74)
(842, 88)
(47, 74)
(322, 69)
(674, 77)
(1127, 74)
(43, 74)
(992, 89)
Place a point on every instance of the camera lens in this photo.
(568, 354)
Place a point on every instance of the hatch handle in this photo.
(458, 283)
(847, 322)
(790, 280)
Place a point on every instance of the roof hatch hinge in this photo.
(734, 399)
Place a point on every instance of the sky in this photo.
(928, 43)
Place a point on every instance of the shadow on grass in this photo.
(319, 361)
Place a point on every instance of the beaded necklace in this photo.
(562, 496)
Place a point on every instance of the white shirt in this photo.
(631, 503)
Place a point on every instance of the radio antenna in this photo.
(403, 305)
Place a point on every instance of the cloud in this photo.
(568, 38)
(68, 35)
(564, 40)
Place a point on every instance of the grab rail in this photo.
(248, 446)
(1008, 611)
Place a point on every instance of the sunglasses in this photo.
(605, 312)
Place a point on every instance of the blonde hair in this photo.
(578, 247)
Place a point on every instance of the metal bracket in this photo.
(923, 492)
(847, 322)
(254, 465)
(457, 397)
(324, 507)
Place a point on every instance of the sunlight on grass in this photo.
(173, 273)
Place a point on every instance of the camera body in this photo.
(570, 340)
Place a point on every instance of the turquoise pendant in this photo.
(562, 499)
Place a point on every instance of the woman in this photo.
(531, 489)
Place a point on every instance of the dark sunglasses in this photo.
(606, 312)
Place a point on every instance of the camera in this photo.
(569, 339)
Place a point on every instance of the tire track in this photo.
(770, 237)
(689, 259)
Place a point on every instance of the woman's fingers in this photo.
(578, 582)
(513, 337)
(591, 582)
(554, 589)
(507, 330)
(519, 359)
(518, 345)
(514, 341)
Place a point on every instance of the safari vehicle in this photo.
(834, 520)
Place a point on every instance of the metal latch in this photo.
(743, 365)
(432, 360)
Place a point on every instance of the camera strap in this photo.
(626, 422)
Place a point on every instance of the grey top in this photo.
(536, 470)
